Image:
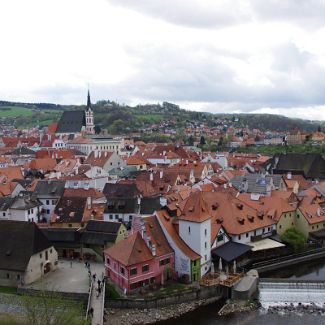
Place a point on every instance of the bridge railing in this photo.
(287, 257)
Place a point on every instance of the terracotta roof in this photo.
(194, 208)
(136, 160)
(157, 236)
(45, 164)
(167, 222)
(99, 160)
(130, 251)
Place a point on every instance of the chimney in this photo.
(289, 175)
(105, 153)
(88, 202)
(96, 153)
(99, 154)
(151, 177)
(161, 174)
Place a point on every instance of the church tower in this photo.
(90, 128)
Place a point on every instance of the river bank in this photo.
(114, 316)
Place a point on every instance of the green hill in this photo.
(122, 119)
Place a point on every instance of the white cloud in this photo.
(220, 56)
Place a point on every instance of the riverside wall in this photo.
(202, 293)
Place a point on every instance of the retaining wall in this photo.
(197, 294)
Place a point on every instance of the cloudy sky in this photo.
(209, 55)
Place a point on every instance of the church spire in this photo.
(88, 101)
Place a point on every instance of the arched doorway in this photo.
(47, 267)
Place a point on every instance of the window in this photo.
(107, 260)
(40, 255)
(189, 230)
(122, 270)
(269, 229)
(165, 261)
(205, 232)
(220, 238)
(130, 218)
(47, 202)
(18, 277)
(298, 216)
(48, 211)
(51, 251)
(3, 214)
(205, 245)
(263, 230)
(8, 276)
(280, 226)
(206, 257)
(246, 234)
(239, 237)
(133, 271)
(70, 225)
(116, 216)
(145, 268)
(111, 217)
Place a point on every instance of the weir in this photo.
(281, 292)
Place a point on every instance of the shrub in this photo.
(294, 238)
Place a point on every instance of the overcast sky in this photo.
(263, 56)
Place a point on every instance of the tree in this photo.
(294, 238)
(97, 129)
(202, 141)
(190, 140)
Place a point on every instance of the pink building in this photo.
(144, 258)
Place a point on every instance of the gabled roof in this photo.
(130, 251)
(103, 226)
(20, 240)
(167, 221)
(21, 151)
(71, 122)
(69, 209)
(98, 158)
(49, 189)
(5, 203)
(120, 190)
(194, 208)
(156, 235)
(255, 183)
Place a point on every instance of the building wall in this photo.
(245, 238)
(48, 207)
(221, 239)
(303, 226)
(113, 162)
(198, 237)
(126, 217)
(23, 215)
(37, 263)
(286, 221)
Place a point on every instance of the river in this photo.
(208, 315)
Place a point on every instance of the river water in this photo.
(208, 315)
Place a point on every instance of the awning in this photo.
(266, 243)
(230, 251)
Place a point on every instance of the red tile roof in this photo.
(130, 251)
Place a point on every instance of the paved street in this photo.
(68, 277)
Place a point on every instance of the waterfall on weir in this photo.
(282, 293)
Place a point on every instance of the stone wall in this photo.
(196, 294)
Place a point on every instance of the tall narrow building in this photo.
(90, 128)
